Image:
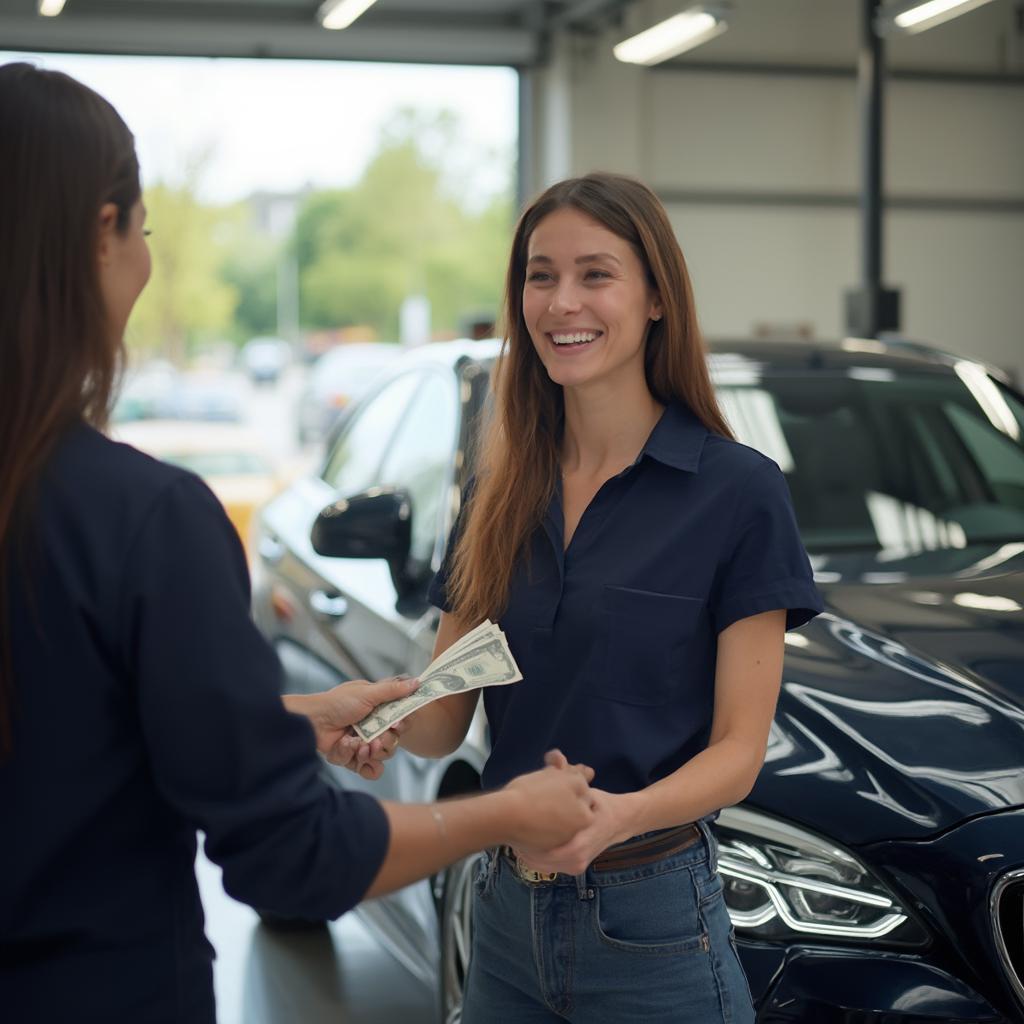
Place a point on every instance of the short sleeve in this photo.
(766, 567)
(223, 750)
(437, 594)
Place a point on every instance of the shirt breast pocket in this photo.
(645, 636)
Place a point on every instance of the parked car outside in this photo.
(145, 391)
(876, 871)
(160, 392)
(265, 359)
(336, 379)
(231, 459)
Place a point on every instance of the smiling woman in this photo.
(586, 291)
(644, 567)
(600, 213)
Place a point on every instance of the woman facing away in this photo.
(644, 567)
(137, 701)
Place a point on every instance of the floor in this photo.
(338, 974)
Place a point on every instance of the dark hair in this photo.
(519, 458)
(64, 153)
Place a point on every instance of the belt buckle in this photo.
(531, 876)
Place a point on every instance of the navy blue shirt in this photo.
(616, 636)
(146, 705)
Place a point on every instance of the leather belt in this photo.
(631, 854)
(635, 854)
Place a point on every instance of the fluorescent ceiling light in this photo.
(923, 14)
(50, 8)
(670, 38)
(337, 14)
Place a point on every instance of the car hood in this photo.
(902, 706)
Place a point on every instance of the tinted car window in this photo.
(355, 459)
(420, 457)
(879, 459)
(1001, 460)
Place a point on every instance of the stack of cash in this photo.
(481, 658)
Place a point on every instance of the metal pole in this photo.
(525, 176)
(871, 79)
(872, 308)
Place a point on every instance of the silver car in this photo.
(336, 380)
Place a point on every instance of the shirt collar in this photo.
(677, 439)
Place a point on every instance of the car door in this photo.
(397, 635)
(350, 620)
(312, 604)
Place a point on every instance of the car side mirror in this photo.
(374, 524)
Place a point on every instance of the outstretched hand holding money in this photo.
(332, 713)
(479, 659)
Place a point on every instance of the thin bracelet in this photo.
(439, 819)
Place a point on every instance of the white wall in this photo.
(725, 143)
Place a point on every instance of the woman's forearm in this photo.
(747, 678)
(719, 776)
(427, 838)
(439, 728)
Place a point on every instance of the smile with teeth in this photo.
(573, 337)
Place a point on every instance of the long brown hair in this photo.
(64, 152)
(519, 457)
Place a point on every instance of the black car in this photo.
(876, 872)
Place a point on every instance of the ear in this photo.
(107, 231)
(655, 312)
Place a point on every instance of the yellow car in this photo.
(230, 458)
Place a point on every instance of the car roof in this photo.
(792, 355)
(801, 354)
(360, 351)
(451, 353)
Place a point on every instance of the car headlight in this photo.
(784, 884)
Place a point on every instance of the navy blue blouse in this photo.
(616, 636)
(146, 705)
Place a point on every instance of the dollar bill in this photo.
(482, 658)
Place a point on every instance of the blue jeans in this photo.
(650, 944)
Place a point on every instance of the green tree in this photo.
(406, 227)
(250, 268)
(187, 300)
(417, 222)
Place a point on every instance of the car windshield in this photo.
(902, 461)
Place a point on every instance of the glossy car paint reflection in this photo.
(873, 739)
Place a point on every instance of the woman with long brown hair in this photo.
(644, 567)
(137, 701)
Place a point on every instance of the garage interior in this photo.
(757, 141)
(754, 140)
